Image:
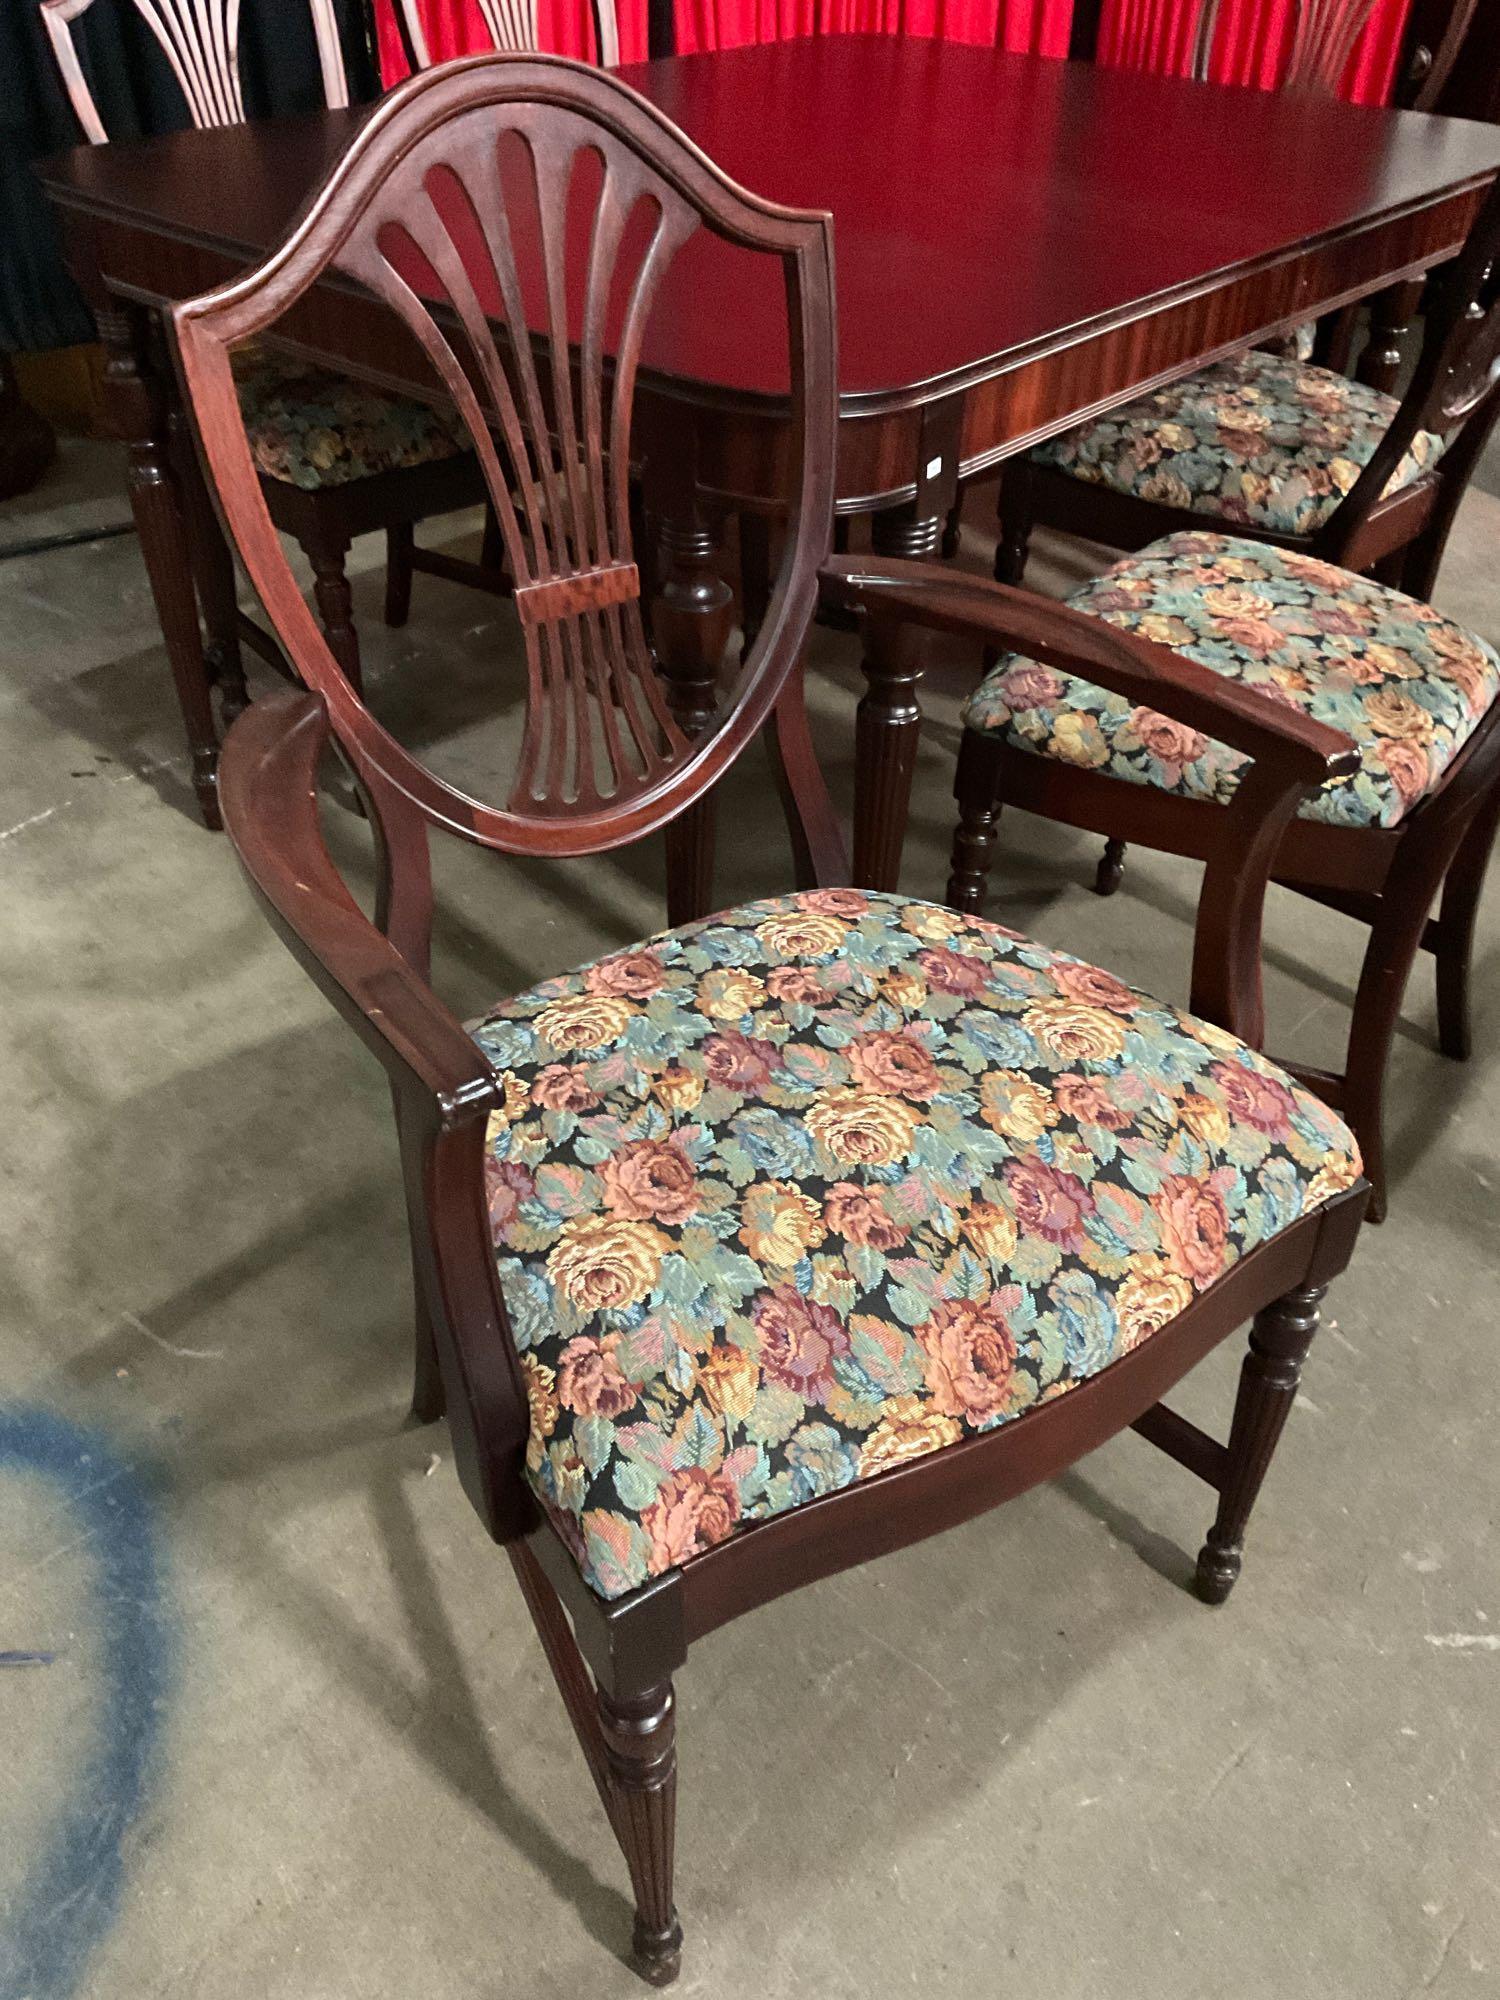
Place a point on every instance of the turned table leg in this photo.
(690, 625)
(138, 405)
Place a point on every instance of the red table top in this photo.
(984, 204)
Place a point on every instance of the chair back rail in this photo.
(458, 206)
(511, 26)
(200, 39)
(1457, 371)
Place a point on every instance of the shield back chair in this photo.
(796, 1234)
(337, 458)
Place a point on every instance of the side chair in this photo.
(1415, 692)
(800, 1232)
(336, 457)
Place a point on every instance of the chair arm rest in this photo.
(1153, 676)
(268, 794)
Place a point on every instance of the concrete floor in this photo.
(296, 1739)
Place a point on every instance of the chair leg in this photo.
(1111, 870)
(1014, 544)
(335, 603)
(976, 788)
(1455, 929)
(953, 529)
(400, 545)
(1272, 1369)
(640, 1734)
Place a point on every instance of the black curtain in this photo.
(136, 94)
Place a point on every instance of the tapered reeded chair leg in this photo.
(975, 788)
(640, 1741)
(1111, 870)
(1455, 947)
(400, 543)
(1272, 1369)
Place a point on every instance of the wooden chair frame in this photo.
(1387, 877)
(614, 1660)
(200, 41)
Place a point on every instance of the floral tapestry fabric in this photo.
(827, 1183)
(1264, 440)
(312, 427)
(1406, 683)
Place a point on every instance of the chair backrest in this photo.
(200, 39)
(1324, 33)
(511, 26)
(1182, 37)
(517, 216)
(1458, 366)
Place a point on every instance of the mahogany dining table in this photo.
(1021, 242)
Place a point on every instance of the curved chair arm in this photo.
(1291, 753)
(268, 795)
(918, 593)
(443, 1085)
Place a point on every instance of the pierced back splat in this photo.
(200, 40)
(518, 214)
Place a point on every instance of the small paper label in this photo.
(934, 467)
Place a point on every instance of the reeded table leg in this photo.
(138, 409)
(690, 625)
(888, 725)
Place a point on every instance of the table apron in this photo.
(742, 451)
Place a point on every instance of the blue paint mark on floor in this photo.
(76, 1880)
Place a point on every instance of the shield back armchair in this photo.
(799, 1232)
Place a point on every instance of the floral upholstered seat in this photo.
(788, 1197)
(313, 427)
(1406, 683)
(1262, 439)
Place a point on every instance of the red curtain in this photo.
(456, 27)
(1250, 45)
(1036, 27)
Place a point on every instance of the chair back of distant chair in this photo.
(512, 29)
(1324, 33)
(200, 39)
(1456, 384)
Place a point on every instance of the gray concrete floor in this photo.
(296, 1739)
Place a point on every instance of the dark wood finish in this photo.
(1268, 1387)
(1389, 878)
(1055, 301)
(1454, 391)
(589, 671)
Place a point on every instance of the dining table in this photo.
(1021, 243)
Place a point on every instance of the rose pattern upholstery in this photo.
(1408, 685)
(794, 1195)
(1264, 440)
(311, 427)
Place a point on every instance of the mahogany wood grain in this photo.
(1035, 294)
